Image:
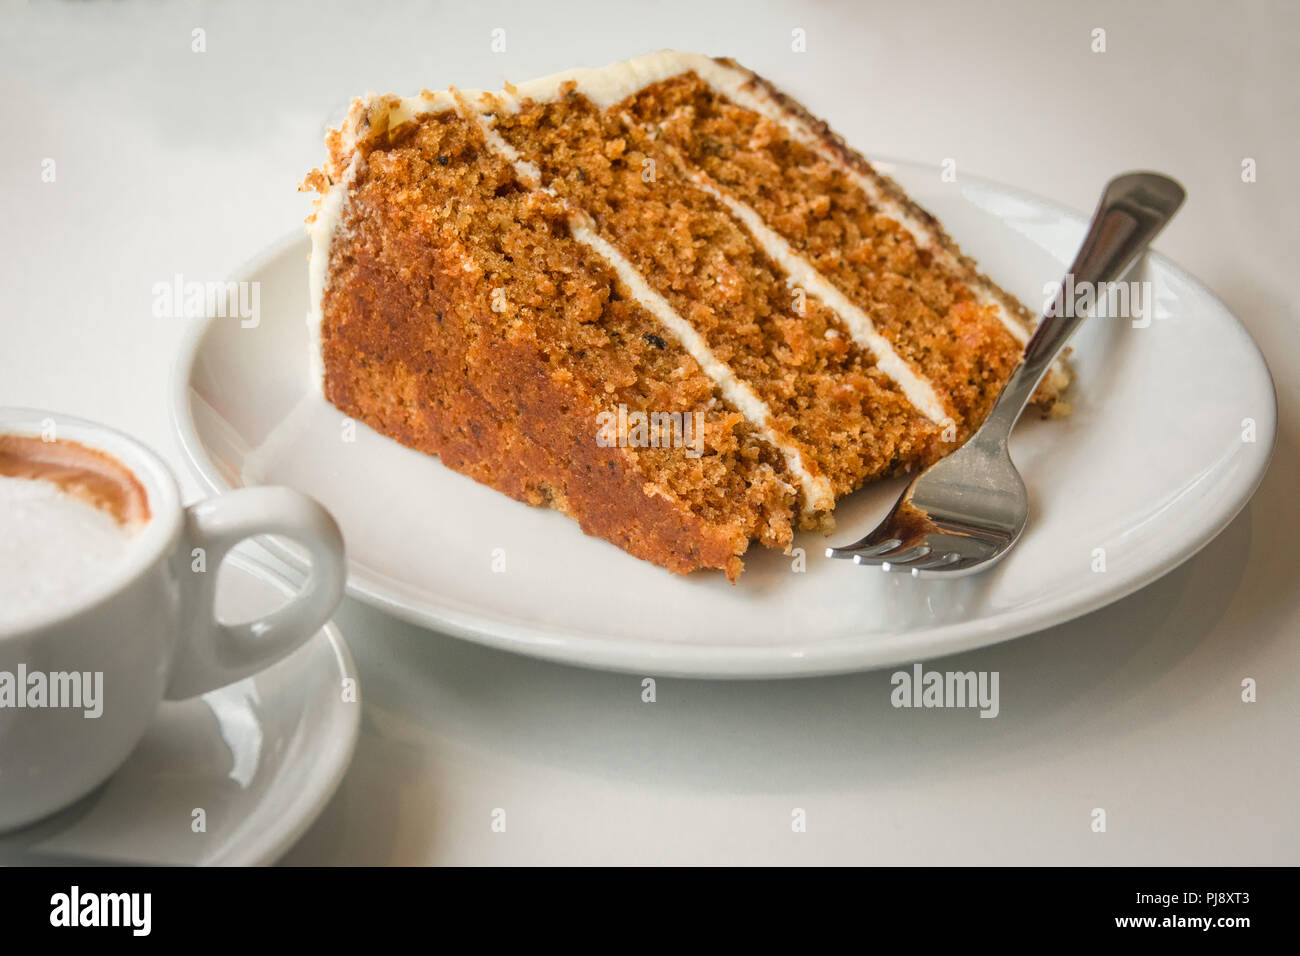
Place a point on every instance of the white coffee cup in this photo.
(147, 623)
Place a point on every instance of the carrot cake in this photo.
(659, 296)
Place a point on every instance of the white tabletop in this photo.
(172, 161)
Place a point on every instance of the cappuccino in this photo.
(68, 513)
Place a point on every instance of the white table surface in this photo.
(170, 161)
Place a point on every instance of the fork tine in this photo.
(887, 561)
(932, 563)
(860, 548)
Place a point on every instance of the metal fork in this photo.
(966, 511)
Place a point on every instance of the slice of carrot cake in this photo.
(658, 296)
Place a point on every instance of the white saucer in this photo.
(259, 758)
(1150, 467)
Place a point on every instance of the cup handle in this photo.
(212, 654)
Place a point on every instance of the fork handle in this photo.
(1132, 210)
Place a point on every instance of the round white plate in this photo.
(1171, 433)
(259, 758)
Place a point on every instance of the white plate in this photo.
(1149, 468)
(260, 758)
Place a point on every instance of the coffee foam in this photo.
(67, 513)
(89, 474)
